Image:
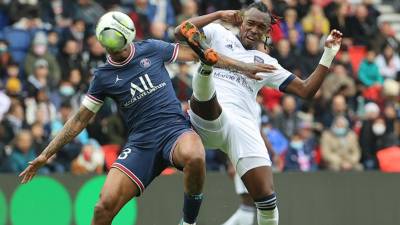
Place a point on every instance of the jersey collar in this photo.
(126, 61)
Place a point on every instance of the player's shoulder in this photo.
(215, 27)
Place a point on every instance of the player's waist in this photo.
(162, 124)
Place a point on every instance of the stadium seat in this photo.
(357, 54)
(110, 154)
(19, 42)
(389, 159)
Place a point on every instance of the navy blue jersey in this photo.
(141, 86)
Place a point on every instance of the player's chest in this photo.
(138, 83)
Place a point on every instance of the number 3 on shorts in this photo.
(124, 153)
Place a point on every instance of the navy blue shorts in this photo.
(145, 157)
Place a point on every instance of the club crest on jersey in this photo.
(145, 63)
(258, 59)
(230, 46)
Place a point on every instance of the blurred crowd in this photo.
(48, 50)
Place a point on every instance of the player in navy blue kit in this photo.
(159, 133)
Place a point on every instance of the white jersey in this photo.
(236, 92)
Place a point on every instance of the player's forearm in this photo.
(70, 130)
(227, 63)
(199, 22)
(314, 81)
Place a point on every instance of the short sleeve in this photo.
(95, 95)
(168, 51)
(279, 79)
(211, 29)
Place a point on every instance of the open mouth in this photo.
(250, 38)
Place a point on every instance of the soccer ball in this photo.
(115, 30)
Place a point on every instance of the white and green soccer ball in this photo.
(115, 30)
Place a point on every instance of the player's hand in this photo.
(251, 70)
(231, 16)
(31, 170)
(334, 39)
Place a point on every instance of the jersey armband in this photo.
(92, 103)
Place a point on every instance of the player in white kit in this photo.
(223, 102)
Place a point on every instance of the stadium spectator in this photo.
(75, 32)
(338, 108)
(182, 83)
(290, 22)
(5, 58)
(367, 137)
(39, 79)
(385, 35)
(286, 56)
(369, 73)
(361, 27)
(90, 160)
(338, 18)
(300, 155)
(288, 120)
(13, 122)
(338, 82)
(40, 140)
(316, 22)
(39, 105)
(39, 51)
(189, 10)
(89, 11)
(5, 102)
(311, 55)
(22, 152)
(388, 62)
(340, 150)
(70, 57)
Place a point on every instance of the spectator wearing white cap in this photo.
(367, 138)
(38, 51)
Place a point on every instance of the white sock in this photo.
(268, 217)
(243, 216)
(202, 84)
(183, 223)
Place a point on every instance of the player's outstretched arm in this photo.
(70, 130)
(249, 69)
(230, 16)
(307, 88)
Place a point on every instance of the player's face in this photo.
(255, 26)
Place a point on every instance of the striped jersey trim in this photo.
(126, 61)
(131, 175)
(174, 54)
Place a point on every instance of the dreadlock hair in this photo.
(264, 8)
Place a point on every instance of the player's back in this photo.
(142, 88)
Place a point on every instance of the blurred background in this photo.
(48, 51)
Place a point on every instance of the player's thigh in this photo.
(259, 181)
(208, 110)
(187, 147)
(244, 140)
(212, 133)
(117, 190)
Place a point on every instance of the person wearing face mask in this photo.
(39, 50)
(340, 150)
(300, 154)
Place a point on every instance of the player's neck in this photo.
(122, 55)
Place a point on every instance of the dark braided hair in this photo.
(264, 8)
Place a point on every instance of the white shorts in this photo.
(238, 137)
(239, 185)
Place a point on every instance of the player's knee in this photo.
(194, 155)
(266, 203)
(104, 208)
